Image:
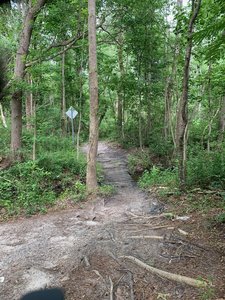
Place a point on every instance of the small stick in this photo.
(149, 217)
(86, 262)
(152, 228)
(168, 275)
(131, 285)
(98, 274)
(111, 289)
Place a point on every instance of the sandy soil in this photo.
(79, 249)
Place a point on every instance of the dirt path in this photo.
(79, 249)
(41, 251)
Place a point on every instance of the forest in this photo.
(160, 89)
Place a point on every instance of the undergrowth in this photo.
(33, 186)
(202, 177)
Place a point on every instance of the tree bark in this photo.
(29, 107)
(120, 87)
(35, 132)
(182, 112)
(91, 179)
(3, 116)
(19, 73)
(222, 120)
(63, 103)
(168, 118)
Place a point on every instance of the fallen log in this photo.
(171, 276)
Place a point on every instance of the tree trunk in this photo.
(168, 123)
(120, 87)
(19, 72)
(182, 112)
(140, 122)
(63, 103)
(29, 107)
(91, 179)
(35, 132)
(3, 116)
(222, 120)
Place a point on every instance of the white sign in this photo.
(71, 113)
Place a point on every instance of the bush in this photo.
(138, 162)
(157, 176)
(25, 187)
(206, 170)
(32, 187)
(63, 161)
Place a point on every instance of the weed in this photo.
(106, 190)
(156, 177)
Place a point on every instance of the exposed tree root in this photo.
(170, 276)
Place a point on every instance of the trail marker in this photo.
(72, 113)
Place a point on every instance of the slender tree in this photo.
(182, 112)
(19, 73)
(63, 101)
(91, 180)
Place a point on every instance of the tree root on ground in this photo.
(168, 275)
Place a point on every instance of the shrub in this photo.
(25, 186)
(206, 170)
(156, 177)
(32, 187)
(138, 162)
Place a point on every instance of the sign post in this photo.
(72, 113)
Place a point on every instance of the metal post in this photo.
(73, 138)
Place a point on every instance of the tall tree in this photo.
(91, 180)
(19, 73)
(182, 112)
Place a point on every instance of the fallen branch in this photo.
(111, 289)
(170, 276)
(166, 215)
(156, 237)
(151, 228)
(131, 285)
(182, 231)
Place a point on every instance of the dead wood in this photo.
(86, 262)
(111, 289)
(156, 237)
(153, 228)
(168, 275)
(98, 274)
(151, 216)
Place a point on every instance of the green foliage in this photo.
(220, 218)
(106, 190)
(205, 169)
(160, 147)
(138, 162)
(4, 140)
(63, 161)
(25, 187)
(204, 203)
(158, 177)
(33, 186)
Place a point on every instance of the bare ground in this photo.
(79, 249)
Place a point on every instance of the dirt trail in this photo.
(79, 249)
(41, 251)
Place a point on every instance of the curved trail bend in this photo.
(50, 250)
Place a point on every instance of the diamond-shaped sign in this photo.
(71, 113)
